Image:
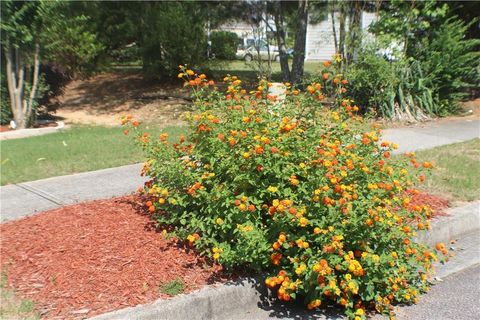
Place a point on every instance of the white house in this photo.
(320, 44)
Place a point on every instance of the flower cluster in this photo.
(330, 82)
(308, 193)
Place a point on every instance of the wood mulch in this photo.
(86, 259)
(95, 257)
(4, 128)
(436, 203)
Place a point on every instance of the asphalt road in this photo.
(456, 298)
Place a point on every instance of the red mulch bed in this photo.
(4, 128)
(97, 256)
(436, 203)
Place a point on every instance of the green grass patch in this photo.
(457, 170)
(79, 149)
(13, 308)
(247, 70)
(173, 287)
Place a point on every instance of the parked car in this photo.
(263, 50)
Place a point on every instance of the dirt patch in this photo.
(95, 257)
(472, 107)
(102, 99)
(470, 110)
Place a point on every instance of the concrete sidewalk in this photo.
(433, 134)
(31, 132)
(27, 198)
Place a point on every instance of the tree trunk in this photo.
(358, 17)
(265, 18)
(334, 30)
(22, 107)
(341, 42)
(355, 15)
(300, 41)
(15, 84)
(29, 107)
(11, 81)
(280, 34)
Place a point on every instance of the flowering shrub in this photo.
(333, 82)
(294, 189)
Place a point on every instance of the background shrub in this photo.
(393, 89)
(173, 35)
(128, 54)
(55, 80)
(373, 81)
(451, 62)
(224, 44)
(437, 64)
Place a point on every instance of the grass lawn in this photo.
(79, 149)
(12, 308)
(457, 172)
(246, 70)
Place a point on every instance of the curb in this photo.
(458, 222)
(207, 303)
(25, 133)
(229, 301)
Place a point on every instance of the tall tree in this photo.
(36, 31)
(69, 36)
(172, 33)
(354, 30)
(334, 29)
(280, 35)
(20, 42)
(347, 39)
